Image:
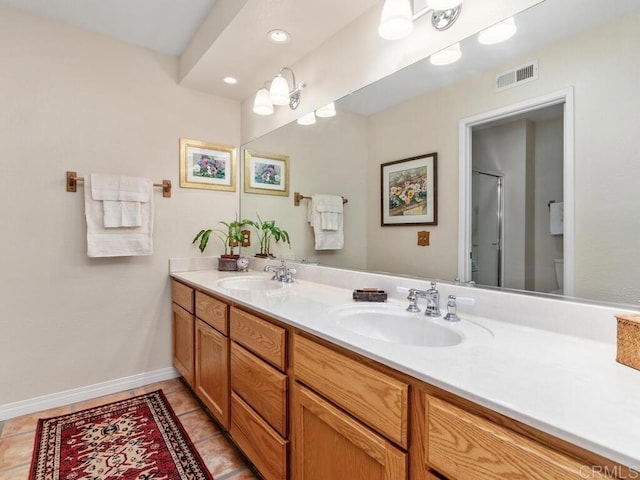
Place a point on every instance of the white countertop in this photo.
(564, 385)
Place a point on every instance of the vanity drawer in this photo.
(260, 443)
(375, 398)
(260, 385)
(182, 295)
(467, 447)
(212, 311)
(259, 336)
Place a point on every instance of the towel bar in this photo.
(73, 179)
(297, 196)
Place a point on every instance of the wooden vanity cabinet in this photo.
(349, 420)
(464, 446)
(259, 392)
(212, 361)
(183, 326)
(329, 443)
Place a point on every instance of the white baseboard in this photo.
(24, 407)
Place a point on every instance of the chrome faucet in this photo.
(432, 296)
(281, 272)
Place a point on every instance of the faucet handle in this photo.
(413, 301)
(451, 315)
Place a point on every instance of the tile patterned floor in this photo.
(17, 435)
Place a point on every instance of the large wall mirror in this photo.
(590, 48)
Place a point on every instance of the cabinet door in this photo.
(328, 443)
(467, 447)
(212, 371)
(183, 330)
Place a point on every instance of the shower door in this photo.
(486, 228)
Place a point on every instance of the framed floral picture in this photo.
(266, 173)
(409, 191)
(207, 165)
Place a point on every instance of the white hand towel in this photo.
(116, 242)
(122, 214)
(325, 239)
(120, 187)
(330, 208)
(122, 197)
(556, 218)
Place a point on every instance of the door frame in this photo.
(564, 96)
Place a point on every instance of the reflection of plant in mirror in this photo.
(268, 231)
(230, 239)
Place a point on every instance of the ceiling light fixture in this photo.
(278, 36)
(498, 32)
(308, 119)
(230, 80)
(396, 20)
(327, 111)
(277, 92)
(443, 4)
(262, 105)
(446, 56)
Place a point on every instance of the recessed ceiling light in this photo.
(230, 80)
(278, 36)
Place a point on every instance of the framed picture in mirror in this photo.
(207, 165)
(409, 191)
(266, 173)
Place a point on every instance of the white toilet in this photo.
(559, 264)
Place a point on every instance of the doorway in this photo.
(515, 163)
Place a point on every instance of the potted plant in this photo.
(231, 238)
(267, 232)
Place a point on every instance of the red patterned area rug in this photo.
(135, 439)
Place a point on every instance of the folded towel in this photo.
(122, 197)
(330, 208)
(122, 214)
(116, 242)
(556, 218)
(329, 232)
(120, 187)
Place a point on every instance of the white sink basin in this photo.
(393, 324)
(250, 283)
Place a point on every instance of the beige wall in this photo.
(73, 100)
(607, 113)
(328, 157)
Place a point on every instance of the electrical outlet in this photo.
(423, 238)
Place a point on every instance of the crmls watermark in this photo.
(598, 471)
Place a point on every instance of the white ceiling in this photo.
(239, 46)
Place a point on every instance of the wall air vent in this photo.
(517, 76)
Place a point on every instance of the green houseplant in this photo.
(268, 232)
(231, 238)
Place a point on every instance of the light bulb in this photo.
(279, 91)
(439, 5)
(498, 32)
(395, 21)
(326, 111)
(308, 119)
(262, 105)
(446, 56)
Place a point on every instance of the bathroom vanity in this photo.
(307, 392)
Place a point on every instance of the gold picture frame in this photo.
(266, 173)
(207, 165)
